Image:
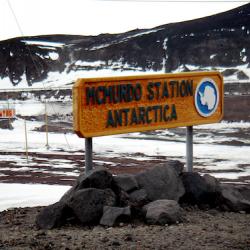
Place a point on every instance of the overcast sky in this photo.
(92, 17)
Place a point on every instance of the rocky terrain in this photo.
(227, 227)
(201, 230)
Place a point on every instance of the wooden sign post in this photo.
(115, 105)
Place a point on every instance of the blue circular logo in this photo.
(206, 97)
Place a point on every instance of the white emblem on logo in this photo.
(206, 97)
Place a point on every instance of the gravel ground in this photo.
(209, 229)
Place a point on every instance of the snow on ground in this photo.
(126, 144)
(29, 195)
(60, 79)
(210, 151)
(212, 157)
(114, 68)
(227, 79)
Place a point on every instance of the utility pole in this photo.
(46, 126)
(189, 148)
(26, 141)
(8, 111)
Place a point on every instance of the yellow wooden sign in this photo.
(115, 105)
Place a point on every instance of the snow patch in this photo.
(105, 45)
(213, 56)
(43, 43)
(227, 79)
(90, 64)
(29, 195)
(165, 43)
(53, 56)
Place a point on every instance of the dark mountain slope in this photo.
(218, 41)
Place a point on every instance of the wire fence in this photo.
(44, 88)
(30, 89)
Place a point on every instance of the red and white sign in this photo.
(7, 113)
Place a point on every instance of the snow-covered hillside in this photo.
(220, 42)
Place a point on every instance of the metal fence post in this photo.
(26, 141)
(46, 126)
(88, 155)
(189, 148)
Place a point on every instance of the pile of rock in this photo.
(156, 196)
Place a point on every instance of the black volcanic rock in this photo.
(200, 190)
(220, 40)
(87, 204)
(53, 216)
(113, 215)
(161, 182)
(162, 212)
